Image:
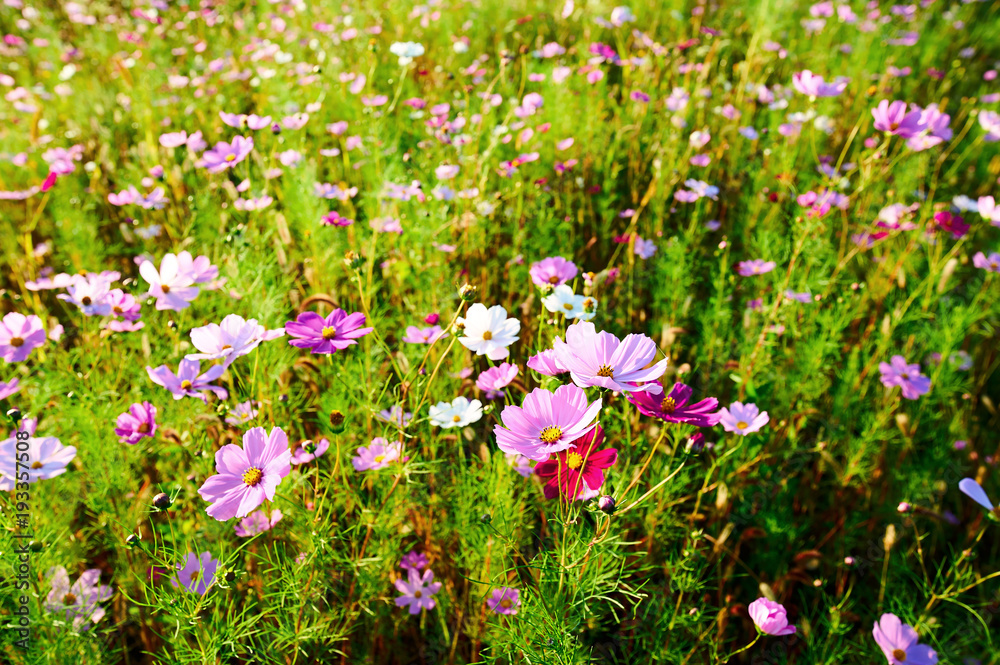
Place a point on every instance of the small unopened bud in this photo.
(275, 128)
(36, 546)
(162, 501)
(337, 420)
(904, 507)
(132, 540)
(848, 560)
(353, 260)
(485, 518)
(606, 504)
(230, 576)
(15, 416)
(696, 443)
(468, 292)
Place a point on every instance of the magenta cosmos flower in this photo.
(742, 418)
(504, 600)
(674, 407)
(415, 335)
(600, 359)
(225, 155)
(19, 336)
(337, 331)
(257, 522)
(898, 642)
(892, 118)
(755, 267)
(414, 560)
(546, 422)
(196, 574)
(418, 591)
(770, 617)
(137, 422)
(495, 379)
(377, 455)
(552, 271)
(188, 382)
(248, 475)
(907, 377)
(545, 362)
(578, 471)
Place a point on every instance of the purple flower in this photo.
(124, 305)
(504, 600)
(894, 119)
(47, 458)
(907, 377)
(546, 422)
(395, 415)
(257, 522)
(415, 335)
(644, 249)
(248, 475)
(991, 264)
(137, 422)
(79, 600)
(417, 591)
(89, 293)
(242, 413)
(19, 336)
(601, 359)
(377, 455)
(9, 388)
(755, 267)
(546, 363)
(674, 407)
(336, 332)
(414, 560)
(309, 451)
(770, 617)
(813, 85)
(743, 418)
(188, 382)
(229, 340)
(494, 380)
(171, 286)
(196, 574)
(804, 297)
(898, 642)
(974, 490)
(552, 271)
(225, 155)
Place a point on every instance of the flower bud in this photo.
(337, 420)
(15, 416)
(904, 508)
(230, 576)
(162, 501)
(353, 260)
(468, 292)
(132, 540)
(606, 504)
(485, 518)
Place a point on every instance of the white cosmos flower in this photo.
(459, 413)
(489, 332)
(406, 51)
(563, 300)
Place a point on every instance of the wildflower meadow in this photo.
(489, 331)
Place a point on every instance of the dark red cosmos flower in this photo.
(673, 406)
(578, 471)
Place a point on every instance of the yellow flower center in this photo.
(195, 574)
(554, 279)
(568, 306)
(36, 465)
(69, 599)
(668, 405)
(379, 458)
(16, 342)
(456, 419)
(550, 434)
(574, 460)
(252, 476)
(899, 654)
(506, 603)
(86, 300)
(185, 384)
(230, 158)
(144, 428)
(742, 424)
(417, 594)
(329, 332)
(487, 335)
(604, 370)
(118, 310)
(164, 288)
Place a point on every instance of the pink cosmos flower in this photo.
(674, 407)
(8, 388)
(813, 85)
(395, 415)
(495, 379)
(415, 335)
(742, 418)
(417, 591)
(242, 413)
(377, 455)
(124, 305)
(89, 293)
(552, 271)
(414, 560)
(578, 471)
(545, 362)
(309, 451)
(226, 155)
(137, 422)
(188, 382)
(546, 422)
(991, 263)
(337, 331)
(504, 600)
(333, 218)
(770, 617)
(49, 458)
(755, 267)
(600, 359)
(79, 601)
(19, 336)
(248, 475)
(229, 340)
(899, 643)
(989, 210)
(908, 377)
(196, 574)
(199, 269)
(257, 522)
(170, 286)
(970, 488)
(892, 118)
